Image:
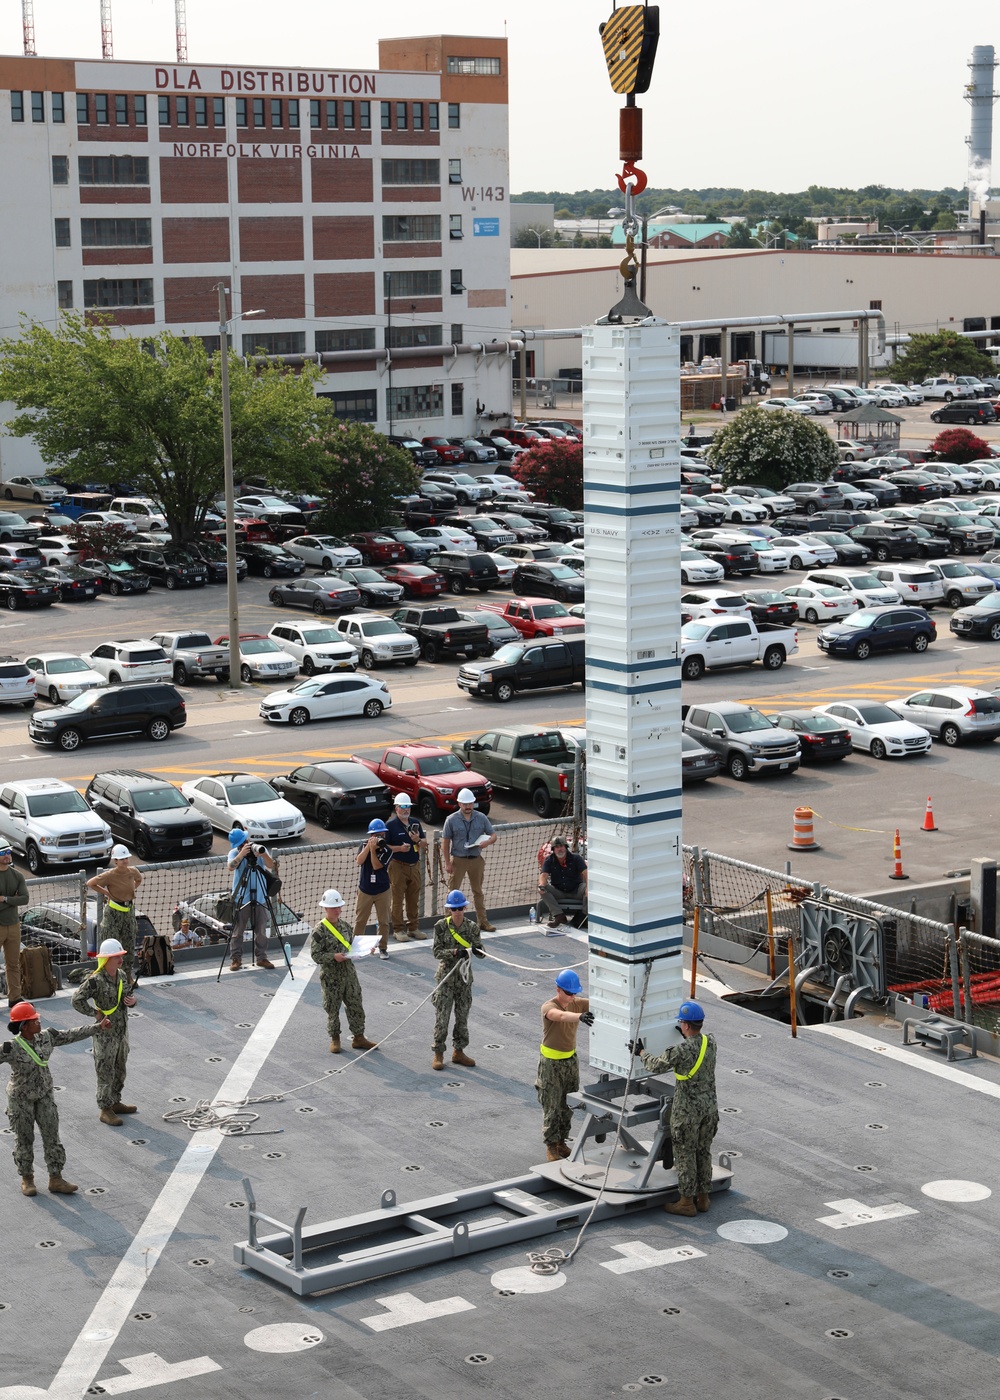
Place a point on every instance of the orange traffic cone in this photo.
(929, 818)
(802, 831)
(897, 852)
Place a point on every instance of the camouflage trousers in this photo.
(110, 1055)
(692, 1137)
(554, 1080)
(453, 995)
(343, 988)
(23, 1114)
(122, 926)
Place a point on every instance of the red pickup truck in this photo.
(538, 617)
(431, 777)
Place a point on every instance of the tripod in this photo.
(248, 885)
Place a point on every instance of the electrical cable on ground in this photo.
(524, 967)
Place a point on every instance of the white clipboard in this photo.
(363, 946)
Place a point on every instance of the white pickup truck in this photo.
(946, 389)
(709, 644)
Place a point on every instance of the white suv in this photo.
(316, 646)
(48, 822)
(125, 662)
(378, 639)
(914, 583)
(17, 683)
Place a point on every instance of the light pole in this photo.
(232, 597)
(388, 343)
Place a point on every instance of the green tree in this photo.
(740, 236)
(553, 470)
(958, 445)
(360, 474)
(770, 447)
(534, 236)
(931, 353)
(112, 409)
(945, 222)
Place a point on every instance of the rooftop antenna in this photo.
(180, 16)
(28, 26)
(107, 42)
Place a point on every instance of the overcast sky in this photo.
(743, 94)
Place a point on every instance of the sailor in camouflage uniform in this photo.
(105, 994)
(455, 937)
(118, 886)
(694, 1113)
(558, 1066)
(30, 1095)
(331, 949)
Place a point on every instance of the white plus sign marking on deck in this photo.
(149, 1370)
(404, 1309)
(852, 1212)
(643, 1256)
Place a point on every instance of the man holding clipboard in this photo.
(333, 948)
(464, 837)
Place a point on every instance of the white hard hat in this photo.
(110, 948)
(467, 795)
(120, 852)
(332, 899)
(401, 800)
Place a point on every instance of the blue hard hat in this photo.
(456, 900)
(691, 1012)
(237, 836)
(568, 981)
(376, 825)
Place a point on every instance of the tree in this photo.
(770, 447)
(958, 445)
(740, 236)
(931, 353)
(99, 541)
(534, 236)
(553, 469)
(117, 409)
(360, 474)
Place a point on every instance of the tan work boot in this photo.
(438, 1060)
(685, 1206)
(419, 936)
(124, 1107)
(702, 1201)
(109, 1116)
(60, 1186)
(552, 1153)
(564, 1149)
(361, 1043)
(28, 1187)
(236, 964)
(459, 1057)
(401, 937)
(487, 927)
(266, 964)
(335, 1045)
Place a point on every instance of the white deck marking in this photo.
(956, 1191)
(149, 1370)
(404, 1309)
(283, 1337)
(906, 1057)
(524, 1281)
(642, 1256)
(752, 1231)
(851, 1212)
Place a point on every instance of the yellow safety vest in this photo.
(457, 936)
(550, 1054)
(19, 1040)
(331, 928)
(121, 908)
(697, 1064)
(121, 985)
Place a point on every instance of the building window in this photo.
(139, 108)
(406, 337)
(82, 108)
(181, 111)
(970, 323)
(113, 170)
(59, 108)
(101, 108)
(115, 233)
(17, 106)
(218, 111)
(479, 67)
(877, 306)
(415, 401)
(64, 294)
(401, 117)
(365, 116)
(60, 170)
(361, 406)
(354, 338)
(258, 111)
(457, 333)
(201, 111)
(164, 109)
(275, 343)
(212, 343)
(454, 172)
(62, 233)
(411, 172)
(433, 119)
(241, 111)
(411, 228)
(455, 226)
(294, 118)
(277, 112)
(412, 284)
(457, 285)
(457, 400)
(118, 291)
(315, 113)
(348, 116)
(38, 106)
(331, 116)
(121, 109)
(454, 115)
(386, 115)
(418, 116)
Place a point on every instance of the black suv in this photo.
(110, 712)
(886, 541)
(964, 534)
(543, 580)
(488, 532)
(962, 411)
(117, 575)
(464, 571)
(736, 559)
(149, 815)
(213, 555)
(560, 523)
(541, 664)
(172, 567)
(423, 456)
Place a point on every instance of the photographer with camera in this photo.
(373, 884)
(250, 865)
(407, 842)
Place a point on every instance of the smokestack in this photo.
(980, 96)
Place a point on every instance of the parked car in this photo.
(538, 617)
(744, 739)
(324, 551)
(500, 630)
(545, 580)
(21, 557)
(325, 697)
(448, 537)
(18, 591)
(542, 663)
(708, 510)
(375, 590)
(192, 654)
(210, 917)
(213, 555)
(804, 553)
(523, 530)
(698, 568)
(961, 582)
(228, 798)
(736, 556)
(741, 509)
(378, 639)
(95, 519)
(770, 560)
(423, 456)
(822, 739)
(14, 527)
(886, 540)
(878, 730)
(811, 496)
(787, 406)
(963, 534)
(261, 659)
(710, 643)
(475, 451)
(117, 576)
(506, 450)
(775, 503)
(917, 487)
(965, 412)
(713, 602)
(488, 533)
(847, 551)
(75, 585)
(415, 549)
(47, 822)
(536, 762)
(271, 560)
(446, 451)
(466, 489)
(929, 546)
(130, 661)
(58, 676)
(113, 712)
(952, 713)
(33, 488)
(913, 582)
(561, 524)
(532, 551)
(818, 602)
(335, 792)
(375, 547)
(878, 629)
(149, 815)
(979, 619)
(945, 389)
(316, 646)
(415, 580)
(464, 571)
(441, 631)
(862, 586)
(321, 595)
(431, 777)
(697, 762)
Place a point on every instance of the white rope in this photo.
(523, 967)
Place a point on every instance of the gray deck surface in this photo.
(915, 1292)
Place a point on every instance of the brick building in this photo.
(365, 213)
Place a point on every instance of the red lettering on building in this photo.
(162, 78)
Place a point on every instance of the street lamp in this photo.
(232, 597)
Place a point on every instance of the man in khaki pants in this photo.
(465, 836)
(406, 842)
(13, 894)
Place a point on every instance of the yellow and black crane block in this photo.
(630, 38)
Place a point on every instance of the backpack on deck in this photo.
(37, 977)
(155, 957)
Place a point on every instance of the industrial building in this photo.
(363, 212)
